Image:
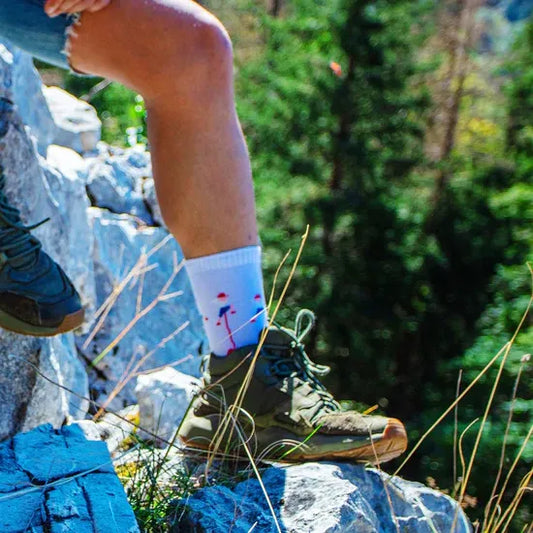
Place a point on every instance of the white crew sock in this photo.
(228, 289)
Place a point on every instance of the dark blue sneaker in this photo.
(36, 296)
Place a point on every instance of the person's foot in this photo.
(36, 296)
(294, 417)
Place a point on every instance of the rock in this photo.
(20, 83)
(68, 237)
(17, 379)
(113, 428)
(67, 161)
(76, 124)
(61, 391)
(27, 398)
(116, 183)
(152, 309)
(56, 188)
(59, 481)
(31, 103)
(151, 200)
(323, 497)
(163, 398)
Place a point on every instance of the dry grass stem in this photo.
(138, 316)
(125, 379)
(506, 482)
(138, 269)
(504, 445)
(455, 430)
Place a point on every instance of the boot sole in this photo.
(70, 322)
(391, 444)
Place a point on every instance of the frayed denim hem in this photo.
(25, 24)
(74, 21)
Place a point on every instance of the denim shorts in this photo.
(26, 25)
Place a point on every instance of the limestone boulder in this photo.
(72, 487)
(148, 318)
(324, 498)
(41, 381)
(76, 124)
(116, 182)
(164, 397)
(99, 227)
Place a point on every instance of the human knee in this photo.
(213, 43)
(196, 55)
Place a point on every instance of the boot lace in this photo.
(293, 361)
(16, 242)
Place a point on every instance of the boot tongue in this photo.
(279, 338)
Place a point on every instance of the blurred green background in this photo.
(402, 133)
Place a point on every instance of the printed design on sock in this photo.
(223, 313)
(258, 299)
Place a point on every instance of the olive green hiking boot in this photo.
(36, 296)
(286, 413)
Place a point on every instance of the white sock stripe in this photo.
(229, 259)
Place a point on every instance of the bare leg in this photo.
(179, 57)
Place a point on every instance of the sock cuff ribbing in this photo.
(229, 259)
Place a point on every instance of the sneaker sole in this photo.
(391, 444)
(70, 322)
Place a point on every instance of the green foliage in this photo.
(507, 190)
(121, 110)
(520, 128)
(404, 279)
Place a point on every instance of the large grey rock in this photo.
(30, 100)
(27, 398)
(164, 397)
(68, 237)
(17, 379)
(71, 487)
(324, 497)
(116, 183)
(153, 313)
(77, 125)
(30, 400)
(61, 389)
(20, 83)
(56, 188)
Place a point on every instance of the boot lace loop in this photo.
(294, 361)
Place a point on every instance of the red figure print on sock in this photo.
(223, 312)
(258, 301)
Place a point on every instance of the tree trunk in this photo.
(459, 35)
(340, 138)
(275, 8)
